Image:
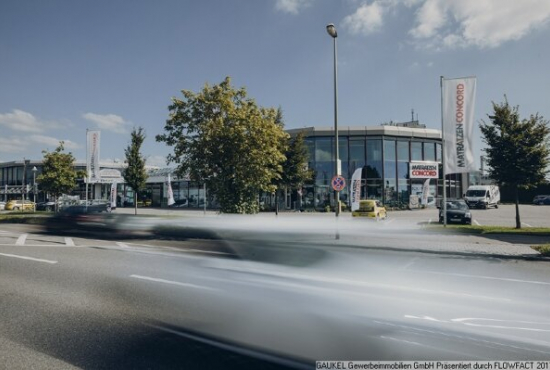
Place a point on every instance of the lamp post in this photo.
(34, 169)
(332, 32)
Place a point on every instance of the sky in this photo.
(111, 65)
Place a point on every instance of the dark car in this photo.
(457, 211)
(45, 206)
(541, 200)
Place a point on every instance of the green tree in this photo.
(135, 174)
(58, 175)
(517, 150)
(221, 136)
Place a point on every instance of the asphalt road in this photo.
(72, 301)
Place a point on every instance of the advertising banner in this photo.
(425, 191)
(355, 189)
(113, 195)
(169, 192)
(458, 103)
(92, 156)
(424, 170)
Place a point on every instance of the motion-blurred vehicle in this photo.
(457, 211)
(482, 196)
(2, 206)
(92, 206)
(75, 219)
(541, 200)
(18, 205)
(371, 208)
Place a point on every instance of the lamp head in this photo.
(332, 30)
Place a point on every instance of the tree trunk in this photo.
(518, 220)
(135, 202)
(277, 202)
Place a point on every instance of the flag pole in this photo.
(443, 157)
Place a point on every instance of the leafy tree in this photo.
(517, 150)
(221, 136)
(135, 174)
(58, 175)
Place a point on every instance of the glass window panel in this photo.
(403, 170)
(416, 151)
(389, 150)
(438, 152)
(323, 149)
(374, 158)
(429, 152)
(403, 151)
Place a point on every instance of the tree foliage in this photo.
(135, 174)
(517, 150)
(295, 169)
(221, 136)
(58, 175)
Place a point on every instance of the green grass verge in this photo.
(479, 229)
(543, 249)
(24, 217)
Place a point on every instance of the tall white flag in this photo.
(92, 156)
(355, 189)
(425, 191)
(113, 195)
(458, 104)
(169, 192)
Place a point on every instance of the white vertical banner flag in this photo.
(92, 156)
(458, 104)
(169, 192)
(113, 194)
(425, 191)
(355, 189)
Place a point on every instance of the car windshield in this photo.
(475, 193)
(457, 205)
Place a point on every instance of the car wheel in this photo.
(496, 206)
(16, 208)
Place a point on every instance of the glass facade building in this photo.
(383, 152)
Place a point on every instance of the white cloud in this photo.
(108, 122)
(12, 145)
(20, 120)
(367, 18)
(451, 24)
(479, 23)
(292, 6)
(52, 142)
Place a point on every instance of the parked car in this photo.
(2, 206)
(541, 199)
(370, 208)
(457, 211)
(45, 206)
(18, 204)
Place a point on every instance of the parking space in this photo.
(504, 215)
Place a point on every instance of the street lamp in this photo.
(34, 169)
(332, 32)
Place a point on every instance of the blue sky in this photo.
(66, 66)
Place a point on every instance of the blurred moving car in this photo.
(457, 211)
(541, 200)
(370, 208)
(180, 203)
(18, 205)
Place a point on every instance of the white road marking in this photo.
(69, 242)
(21, 239)
(483, 277)
(526, 224)
(123, 245)
(412, 261)
(477, 223)
(170, 282)
(27, 258)
(465, 321)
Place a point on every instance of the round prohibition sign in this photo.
(338, 183)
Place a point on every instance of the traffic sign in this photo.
(338, 183)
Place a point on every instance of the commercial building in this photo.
(383, 152)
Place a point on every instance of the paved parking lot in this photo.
(505, 215)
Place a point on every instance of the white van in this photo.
(482, 196)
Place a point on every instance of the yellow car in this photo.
(370, 208)
(18, 205)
